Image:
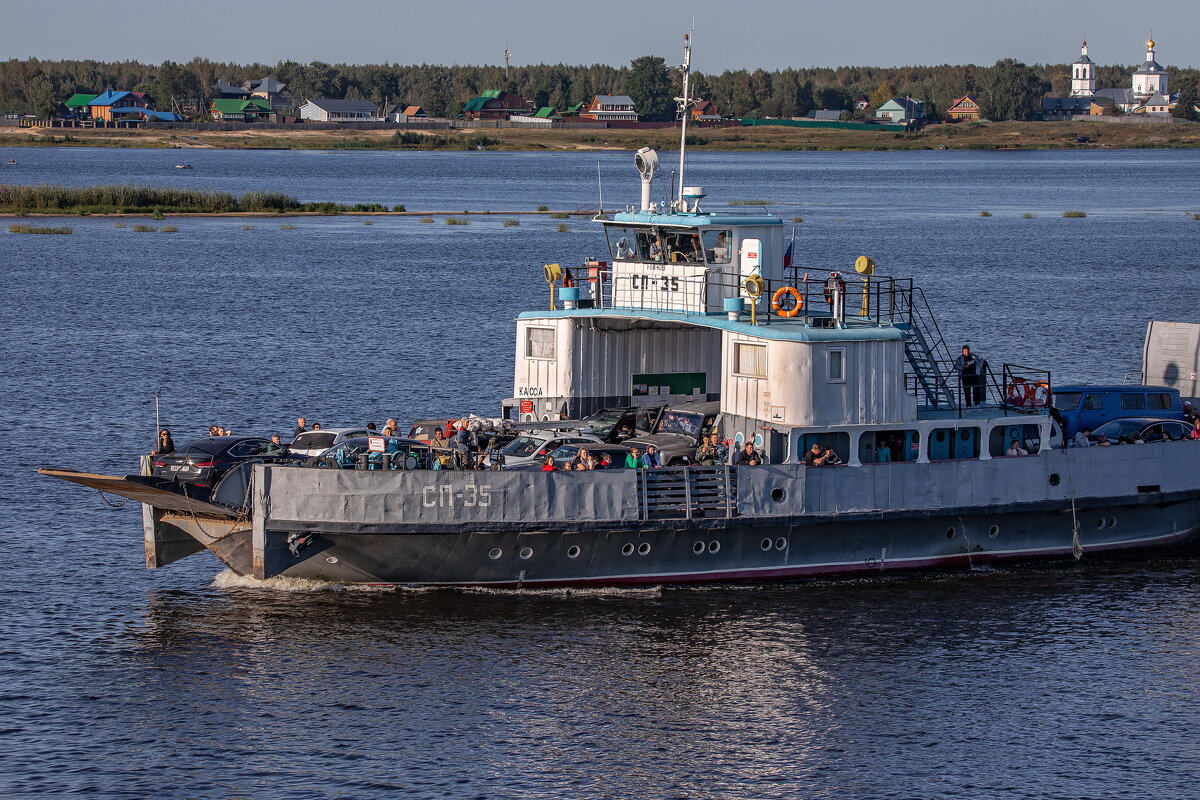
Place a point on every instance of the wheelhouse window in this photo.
(683, 246)
(718, 246)
(540, 343)
(633, 243)
(750, 360)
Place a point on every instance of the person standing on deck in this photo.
(971, 369)
(165, 443)
(301, 427)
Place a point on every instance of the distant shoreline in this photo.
(960, 136)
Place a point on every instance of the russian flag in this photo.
(787, 254)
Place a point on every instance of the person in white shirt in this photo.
(1082, 439)
(1015, 449)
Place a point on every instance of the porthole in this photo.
(939, 436)
(992, 531)
(1112, 522)
(644, 549)
(780, 543)
(698, 548)
(714, 547)
(1101, 524)
(331, 559)
(573, 551)
(627, 550)
(778, 494)
(965, 434)
(765, 544)
(526, 552)
(1054, 480)
(950, 532)
(496, 553)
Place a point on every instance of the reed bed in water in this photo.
(38, 229)
(131, 199)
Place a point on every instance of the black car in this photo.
(1148, 429)
(204, 461)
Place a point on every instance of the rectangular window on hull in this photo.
(837, 366)
(750, 360)
(883, 447)
(953, 444)
(1027, 438)
(540, 343)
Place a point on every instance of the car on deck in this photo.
(313, 443)
(203, 462)
(532, 447)
(1151, 429)
(679, 431)
(392, 452)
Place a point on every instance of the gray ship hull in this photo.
(687, 525)
(729, 551)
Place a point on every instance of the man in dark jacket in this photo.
(972, 372)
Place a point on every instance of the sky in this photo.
(730, 34)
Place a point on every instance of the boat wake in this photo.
(228, 579)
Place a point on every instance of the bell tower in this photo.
(1083, 75)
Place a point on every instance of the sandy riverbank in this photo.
(967, 136)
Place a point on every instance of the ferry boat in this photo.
(698, 307)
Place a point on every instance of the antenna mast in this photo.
(685, 104)
(506, 55)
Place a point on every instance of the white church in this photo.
(1148, 93)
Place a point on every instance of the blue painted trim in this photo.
(693, 220)
(793, 330)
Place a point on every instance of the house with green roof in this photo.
(496, 104)
(234, 109)
(78, 104)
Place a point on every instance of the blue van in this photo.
(1091, 406)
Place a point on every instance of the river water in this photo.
(115, 681)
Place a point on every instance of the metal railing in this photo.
(688, 492)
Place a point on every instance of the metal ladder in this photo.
(925, 348)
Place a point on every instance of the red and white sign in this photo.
(526, 406)
(375, 444)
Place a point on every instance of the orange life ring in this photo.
(1037, 394)
(780, 293)
(1017, 392)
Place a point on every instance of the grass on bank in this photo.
(158, 201)
(63, 229)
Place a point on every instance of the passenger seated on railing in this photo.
(706, 453)
(634, 459)
(1084, 438)
(749, 457)
(817, 456)
(652, 459)
(1015, 449)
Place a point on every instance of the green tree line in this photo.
(37, 86)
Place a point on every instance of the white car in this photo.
(313, 443)
(532, 447)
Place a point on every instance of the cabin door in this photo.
(777, 447)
